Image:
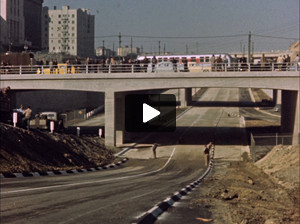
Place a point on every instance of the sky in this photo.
(192, 26)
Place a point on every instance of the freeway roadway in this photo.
(121, 195)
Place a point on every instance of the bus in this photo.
(195, 62)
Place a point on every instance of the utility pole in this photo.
(131, 48)
(187, 49)
(103, 50)
(252, 54)
(241, 46)
(158, 47)
(249, 48)
(113, 49)
(164, 48)
(120, 42)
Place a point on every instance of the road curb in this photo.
(151, 215)
(62, 172)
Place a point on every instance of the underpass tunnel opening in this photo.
(200, 134)
(226, 134)
(57, 100)
(72, 105)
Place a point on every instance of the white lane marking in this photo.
(91, 182)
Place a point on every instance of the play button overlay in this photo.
(150, 112)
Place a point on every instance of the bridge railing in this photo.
(146, 68)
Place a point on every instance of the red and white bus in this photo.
(195, 62)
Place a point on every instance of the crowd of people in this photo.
(24, 116)
(281, 63)
(219, 63)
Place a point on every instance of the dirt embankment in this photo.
(266, 192)
(29, 151)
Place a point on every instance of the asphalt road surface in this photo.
(120, 195)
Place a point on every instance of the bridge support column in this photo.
(120, 117)
(114, 118)
(275, 96)
(290, 114)
(185, 97)
(110, 135)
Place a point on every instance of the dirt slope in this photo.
(266, 192)
(27, 151)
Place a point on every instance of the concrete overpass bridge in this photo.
(117, 85)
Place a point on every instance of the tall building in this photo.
(45, 29)
(33, 26)
(70, 31)
(12, 25)
(20, 24)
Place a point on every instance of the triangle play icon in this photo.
(149, 113)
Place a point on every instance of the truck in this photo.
(43, 120)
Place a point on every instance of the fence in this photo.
(135, 68)
(272, 139)
(259, 142)
(73, 117)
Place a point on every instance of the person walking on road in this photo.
(154, 150)
(207, 149)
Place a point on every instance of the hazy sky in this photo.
(193, 25)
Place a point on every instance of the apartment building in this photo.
(70, 31)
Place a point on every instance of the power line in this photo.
(172, 37)
(287, 38)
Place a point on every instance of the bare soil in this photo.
(244, 192)
(30, 151)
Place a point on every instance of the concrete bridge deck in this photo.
(116, 85)
(118, 82)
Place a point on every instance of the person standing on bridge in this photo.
(154, 62)
(212, 61)
(219, 63)
(206, 151)
(263, 62)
